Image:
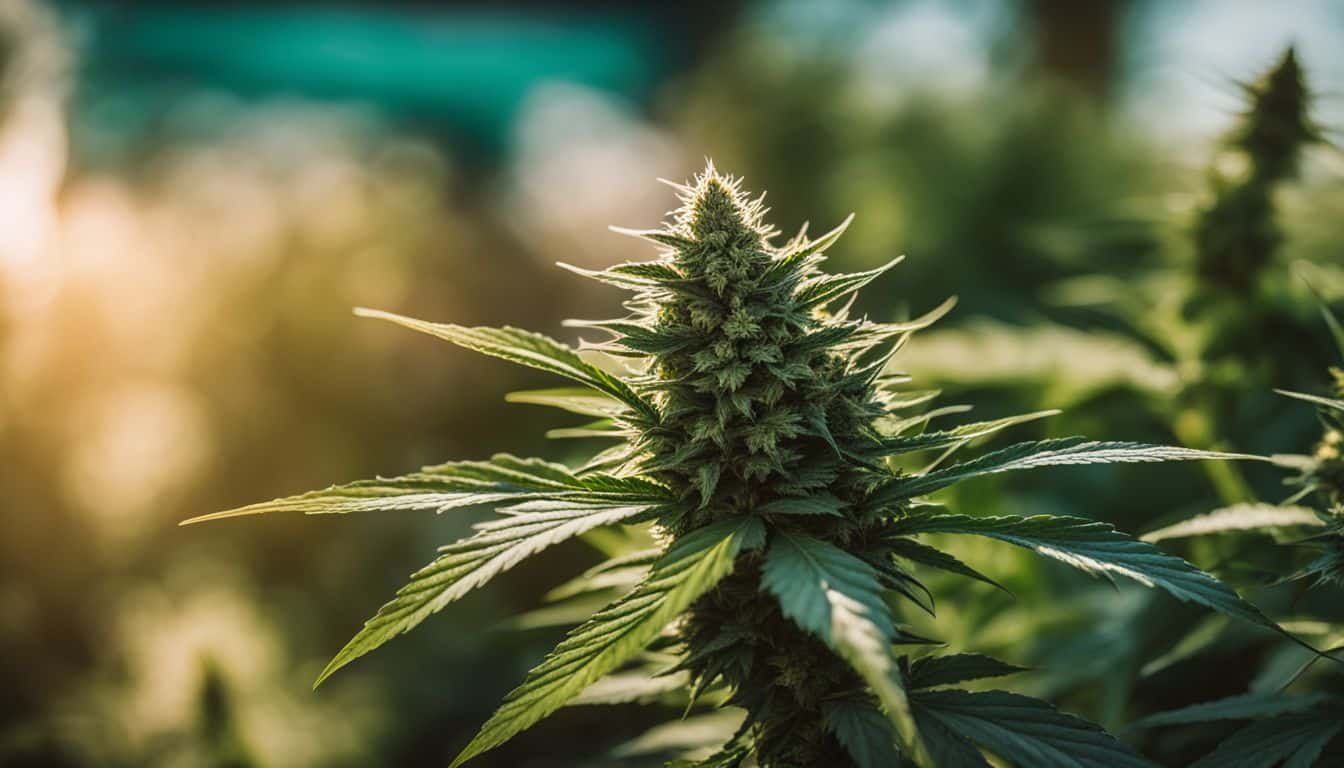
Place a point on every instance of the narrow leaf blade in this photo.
(1098, 549)
(1025, 731)
(837, 597)
(932, 671)
(1238, 517)
(692, 566)
(1044, 453)
(525, 348)
(1244, 707)
(1292, 741)
(503, 478)
(469, 564)
(864, 732)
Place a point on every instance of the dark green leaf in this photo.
(498, 546)
(817, 504)
(864, 732)
(691, 567)
(837, 597)
(1098, 549)
(1072, 450)
(1244, 707)
(1027, 732)
(1291, 741)
(932, 671)
(936, 558)
(947, 749)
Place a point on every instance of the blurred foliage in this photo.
(1193, 343)
(179, 254)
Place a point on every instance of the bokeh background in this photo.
(193, 195)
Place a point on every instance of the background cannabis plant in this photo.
(1184, 343)
(1293, 713)
(754, 428)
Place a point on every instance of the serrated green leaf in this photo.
(1238, 517)
(526, 348)
(823, 289)
(1098, 549)
(944, 438)
(816, 504)
(1292, 741)
(458, 484)
(1045, 453)
(889, 425)
(635, 276)
(864, 732)
(708, 475)
(933, 671)
(496, 547)
(837, 597)
(802, 250)
(1244, 707)
(633, 336)
(1027, 732)
(948, 749)
(936, 558)
(693, 565)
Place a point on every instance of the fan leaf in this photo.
(933, 671)
(944, 438)
(1045, 453)
(837, 597)
(498, 546)
(1027, 732)
(1244, 707)
(526, 348)
(502, 479)
(691, 567)
(937, 558)
(1097, 549)
(864, 732)
(1291, 741)
(827, 288)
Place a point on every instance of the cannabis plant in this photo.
(1299, 728)
(755, 431)
(1237, 233)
